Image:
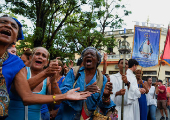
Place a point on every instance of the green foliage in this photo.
(21, 46)
(64, 28)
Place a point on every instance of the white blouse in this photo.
(149, 97)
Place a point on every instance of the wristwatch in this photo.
(127, 84)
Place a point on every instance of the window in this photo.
(167, 73)
(167, 79)
(150, 72)
(110, 50)
(113, 72)
(153, 78)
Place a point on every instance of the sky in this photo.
(156, 10)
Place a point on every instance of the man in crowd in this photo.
(128, 92)
(161, 99)
(132, 63)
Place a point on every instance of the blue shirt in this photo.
(10, 68)
(69, 109)
(16, 108)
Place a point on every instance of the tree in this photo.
(62, 27)
(82, 32)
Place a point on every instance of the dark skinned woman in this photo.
(88, 78)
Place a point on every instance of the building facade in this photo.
(162, 70)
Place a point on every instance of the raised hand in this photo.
(108, 89)
(71, 64)
(53, 68)
(142, 90)
(66, 69)
(73, 95)
(105, 57)
(140, 81)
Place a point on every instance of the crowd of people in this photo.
(33, 87)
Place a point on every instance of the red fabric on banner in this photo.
(166, 54)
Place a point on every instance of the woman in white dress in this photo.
(151, 99)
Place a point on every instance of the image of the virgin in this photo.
(146, 48)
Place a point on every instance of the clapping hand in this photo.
(140, 81)
(53, 68)
(108, 89)
(142, 90)
(93, 88)
(73, 95)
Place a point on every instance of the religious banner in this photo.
(146, 45)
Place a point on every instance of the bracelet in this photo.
(54, 99)
(105, 99)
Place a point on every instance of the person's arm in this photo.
(52, 86)
(157, 91)
(71, 64)
(161, 90)
(120, 92)
(125, 80)
(37, 79)
(24, 91)
(107, 92)
(104, 63)
(144, 85)
(66, 69)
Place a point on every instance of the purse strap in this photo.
(76, 74)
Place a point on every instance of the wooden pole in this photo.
(122, 106)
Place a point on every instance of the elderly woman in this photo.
(39, 59)
(13, 72)
(88, 78)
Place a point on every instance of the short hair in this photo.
(121, 59)
(160, 80)
(35, 49)
(99, 56)
(132, 62)
(148, 78)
